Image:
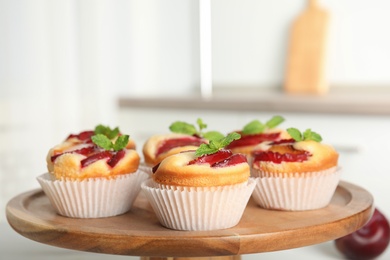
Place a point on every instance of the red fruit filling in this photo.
(112, 157)
(94, 154)
(96, 157)
(232, 160)
(277, 157)
(212, 158)
(84, 151)
(85, 136)
(283, 141)
(222, 158)
(247, 140)
(117, 156)
(178, 142)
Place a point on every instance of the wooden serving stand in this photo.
(139, 233)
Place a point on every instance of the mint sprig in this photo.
(107, 131)
(104, 135)
(305, 136)
(190, 129)
(216, 144)
(183, 128)
(257, 127)
(213, 135)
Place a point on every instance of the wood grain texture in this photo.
(139, 233)
(305, 71)
(234, 257)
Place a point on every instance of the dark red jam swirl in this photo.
(253, 139)
(276, 157)
(222, 158)
(281, 151)
(283, 141)
(83, 137)
(169, 144)
(93, 154)
(279, 142)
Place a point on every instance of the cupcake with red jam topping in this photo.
(205, 189)
(93, 174)
(183, 137)
(256, 136)
(296, 174)
(256, 133)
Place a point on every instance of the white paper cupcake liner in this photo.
(250, 162)
(197, 208)
(297, 193)
(93, 197)
(145, 168)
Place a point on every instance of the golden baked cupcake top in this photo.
(99, 153)
(210, 165)
(183, 137)
(304, 152)
(256, 133)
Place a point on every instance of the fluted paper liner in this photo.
(146, 168)
(92, 197)
(198, 208)
(296, 192)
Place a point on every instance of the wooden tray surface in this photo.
(138, 232)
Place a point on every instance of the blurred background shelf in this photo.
(358, 101)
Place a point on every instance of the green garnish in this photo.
(256, 127)
(183, 128)
(213, 135)
(104, 135)
(305, 136)
(189, 129)
(107, 131)
(214, 145)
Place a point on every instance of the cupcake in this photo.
(183, 137)
(205, 189)
(158, 147)
(296, 174)
(256, 133)
(93, 174)
(256, 136)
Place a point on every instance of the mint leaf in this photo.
(274, 122)
(100, 129)
(256, 127)
(228, 139)
(253, 127)
(102, 141)
(183, 128)
(309, 135)
(121, 142)
(213, 135)
(214, 145)
(113, 133)
(306, 136)
(295, 134)
(107, 131)
(204, 149)
(104, 135)
(201, 124)
(189, 129)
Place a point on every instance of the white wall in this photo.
(250, 41)
(151, 47)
